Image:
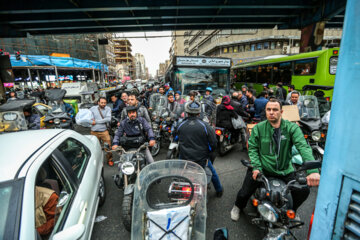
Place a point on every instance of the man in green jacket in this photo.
(270, 153)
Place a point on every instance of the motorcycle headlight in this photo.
(316, 136)
(268, 212)
(127, 168)
(57, 121)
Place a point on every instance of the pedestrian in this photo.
(291, 88)
(280, 92)
(260, 104)
(101, 121)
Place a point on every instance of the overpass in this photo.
(20, 17)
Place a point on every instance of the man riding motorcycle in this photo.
(197, 142)
(270, 154)
(141, 110)
(132, 131)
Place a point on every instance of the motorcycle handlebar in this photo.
(121, 149)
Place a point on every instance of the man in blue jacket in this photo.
(259, 105)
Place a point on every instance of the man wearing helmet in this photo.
(197, 141)
(132, 130)
(207, 95)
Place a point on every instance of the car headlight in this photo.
(316, 136)
(57, 121)
(127, 168)
(268, 212)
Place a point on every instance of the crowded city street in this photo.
(179, 120)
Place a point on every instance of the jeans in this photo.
(250, 185)
(215, 178)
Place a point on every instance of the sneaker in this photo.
(235, 213)
(110, 163)
(219, 194)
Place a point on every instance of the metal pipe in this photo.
(29, 73)
(57, 76)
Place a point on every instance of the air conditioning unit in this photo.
(286, 50)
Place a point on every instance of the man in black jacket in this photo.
(197, 141)
(242, 113)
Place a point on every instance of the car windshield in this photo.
(10, 203)
(201, 78)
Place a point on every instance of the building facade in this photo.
(124, 60)
(240, 44)
(140, 67)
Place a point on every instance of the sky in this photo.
(155, 50)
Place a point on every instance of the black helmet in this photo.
(149, 85)
(193, 107)
(131, 108)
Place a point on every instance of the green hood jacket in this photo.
(262, 150)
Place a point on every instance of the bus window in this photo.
(333, 65)
(250, 74)
(305, 67)
(264, 74)
(282, 73)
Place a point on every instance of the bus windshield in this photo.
(201, 78)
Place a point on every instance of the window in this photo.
(52, 182)
(282, 73)
(266, 45)
(279, 45)
(225, 50)
(230, 49)
(272, 46)
(247, 47)
(251, 74)
(259, 46)
(305, 67)
(252, 47)
(235, 49)
(264, 73)
(333, 65)
(76, 154)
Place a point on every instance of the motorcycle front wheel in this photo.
(156, 148)
(127, 211)
(171, 154)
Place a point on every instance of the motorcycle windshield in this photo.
(158, 179)
(308, 108)
(56, 107)
(157, 100)
(208, 111)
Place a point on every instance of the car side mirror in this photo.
(70, 233)
(221, 234)
(310, 165)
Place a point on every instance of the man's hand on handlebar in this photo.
(255, 174)
(151, 143)
(114, 147)
(313, 179)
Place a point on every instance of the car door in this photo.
(78, 158)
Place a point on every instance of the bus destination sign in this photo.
(204, 62)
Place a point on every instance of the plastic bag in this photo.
(238, 122)
(84, 118)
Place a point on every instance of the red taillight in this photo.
(335, 51)
(64, 120)
(310, 225)
(186, 191)
(218, 132)
(226, 136)
(51, 121)
(327, 99)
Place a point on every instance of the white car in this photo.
(51, 184)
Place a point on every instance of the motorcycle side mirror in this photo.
(246, 163)
(221, 234)
(310, 165)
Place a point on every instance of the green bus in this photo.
(313, 68)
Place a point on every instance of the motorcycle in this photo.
(130, 165)
(311, 126)
(12, 118)
(274, 202)
(170, 200)
(158, 105)
(57, 116)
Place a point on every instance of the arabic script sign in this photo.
(208, 62)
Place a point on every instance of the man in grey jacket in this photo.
(102, 118)
(141, 110)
